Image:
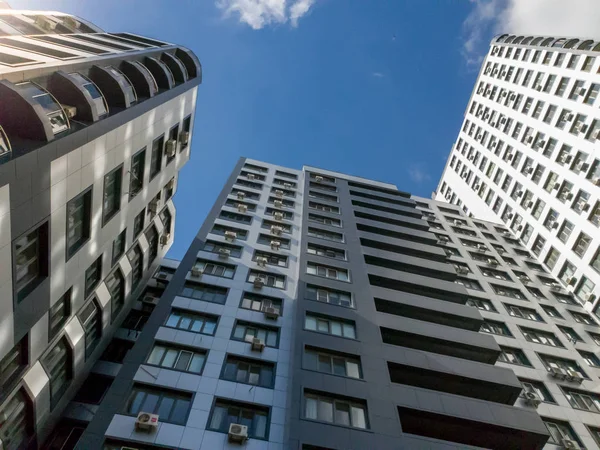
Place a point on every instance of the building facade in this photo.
(318, 310)
(528, 153)
(94, 128)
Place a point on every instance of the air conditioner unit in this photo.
(261, 261)
(570, 444)
(571, 281)
(569, 117)
(258, 283)
(509, 157)
(541, 143)
(240, 195)
(258, 345)
(573, 375)
(532, 399)
(242, 208)
(278, 204)
(513, 97)
(278, 216)
(196, 272)
(556, 186)
(510, 215)
(230, 235)
(224, 252)
(481, 247)
(146, 422)
(494, 50)
(503, 120)
(596, 181)
(153, 206)
(495, 72)
(276, 230)
(569, 196)
(585, 207)
(171, 148)
(477, 186)
(554, 225)
(583, 167)
(492, 262)
(237, 433)
(529, 204)
(582, 91)
(150, 299)
(45, 24)
(70, 111)
(271, 313)
(583, 128)
(589, 297)
(171, 184)
(319, 178)
(288, 185)
(538, 87)
(520, 228)
(529, 170)
(558, 372)
(472, 157)
(486, 116)
(567, 159)
(250, 176)
(279, 193)
(503, 74)
(519, 193)
(275, 245)
(184, 137)
(530, 139)
(488, 92)
(462, 270)
(164, 238)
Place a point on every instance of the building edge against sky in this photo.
(94, 128)
(528, 153)
(418, 325)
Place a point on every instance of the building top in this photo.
(545, 41)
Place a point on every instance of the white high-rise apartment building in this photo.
(94, 128)
(528, 153)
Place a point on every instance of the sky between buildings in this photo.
(375, 88)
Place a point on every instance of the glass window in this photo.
(349, 413)
(224, 413)
(197, 323)
(329, 325)
(78, 221)
(327, 271)
(93, 276)
(57, 117)
(115, 282)
(31, 260)
(13, 363)
(257, 302)
(559, 431)
(247, 331)
(136, 259)
(91, 320)
(171, 406)
(267, 279)
(513, 356)
(59, 313)
(330, 296)
(152, 238)
(183, 359)
(138, 223)
(136, 173)
(205, 292)
(333, 363)
(111, 200)
(97, 96)
(19, 418)
(57, 364)
(249, 371)
(156, 156)
(118, 247)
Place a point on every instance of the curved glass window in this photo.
(167, 70)
(536, 41)
(94, 91)
(518, 40)
(54, 112)
(148, 75)
(546, 42)
(128, 86)
(585, 45)
(4, 142)
(571, 43)
(527, 40)
(559, 42)
(509, 39)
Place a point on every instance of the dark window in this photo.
(197, 323)
(587, 401)
(270, 258)
(205, 292)
(41, 49)
(255, 417)
(330, 362)
(93, 389)
(136, 174)
(115, 282)
(537, 387)
(118, 247)
(11, 366)
(111, 201)
(136, 259)
(156, 156)
(152, 237)
(513, 356)
(17, 419)
(328, 252)
(206, 267)
(249, 371)
(259, 279)
(273, 241)
(78, 221)
(590, 358)
(257, 302)
(493, 327)
(171, 406)
(91, 320)
(138, 223)
(187, 127)
(330, 325)
(541, 337)
(116, 350)
(553, 362)
(171, 357)
(481, 303)
(135, 320)
(552, 312)
(570, 333)
(246, 331)
(560, 431)
(93, 276)
(523, 313)
(324, 234)
(59, 314)
(31, 260)
(340, 411)
(327, 295)
(223, 249)
(165, 217)
(286, 174)
(58, 366)
(235, 217)
(65, 435)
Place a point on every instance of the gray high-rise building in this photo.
(317, 310)
(94, 128)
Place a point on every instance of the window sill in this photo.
(249, 437)
(329, 303)
(250, 343)
(332, 335)
(346, 427)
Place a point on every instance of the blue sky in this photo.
(337, 91)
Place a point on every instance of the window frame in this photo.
(72, 247)
(41, 260)
(117, 183)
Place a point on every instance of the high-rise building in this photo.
(317, 310)
(94, 127)
(528, 153)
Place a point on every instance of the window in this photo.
(13, 364)
(492, 273)
(537, 387)
(222, 229)
(590, 358)
(91, 320)
(286, 174)
(257, 302)
(552, 312)
(329, 325)
(136, 259)
(15, 428)
(552, 258)
(242, 194)
(233, 251)
(57, 364)
(582, 318)
(513, 356)
(595, 337)
(247, 331)
(585, 289)
(249, 371)
(330, 296)
(78, 221)
(565, 231)
(118, 247)
(31, 260)
(323, 207)
(183, 359)
(156, 156)
(345, 412)
(570, 334)
(171, 406)
(138, 223)
(327, 271)
(587, 401)
(214, 269)
(237, 203)
(559, 430)
(116, 350)
(541, 337)
(523, 313)
(268, 279)
(324, 220)
(270, 258)
(111, 200)
(324, 234)
(331, 362)
(93, 276)
(493, 327)
(58, 314)
(270, 240)
(205, 292)
(136, 173)
(194, 322)
(327, 252)
(565, 364)
(256, 168)
(115, 283)
(565, 299)
(322, 196)
(226, 412)
(235, 217)
(469, 284)
(508, 292)
(482, 304)
(567, 272)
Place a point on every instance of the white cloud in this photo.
(377, 74)
(529, 17)
(417, 174)
(260, 13)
